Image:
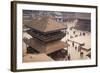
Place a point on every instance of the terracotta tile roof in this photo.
(46, 24)
(45, 47)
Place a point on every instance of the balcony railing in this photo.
(47, 37)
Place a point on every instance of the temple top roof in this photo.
(46, 24)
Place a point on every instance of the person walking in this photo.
(83, 33)
(75, 47)
(73, 32)
(73, 43)
(66, 58)
(67, 45)
(79, 48)
(81, 54)
(80, 33)
(69, 57)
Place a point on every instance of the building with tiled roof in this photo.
(46, 35)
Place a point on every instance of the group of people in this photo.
(79, 48)
(76, 35)
(75, 45)
(67, 57)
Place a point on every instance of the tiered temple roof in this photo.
(45, 24)
(46, 35)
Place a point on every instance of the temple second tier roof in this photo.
(45, 47)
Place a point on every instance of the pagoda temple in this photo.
(46, 35)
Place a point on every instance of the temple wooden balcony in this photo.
(47, 37)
